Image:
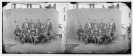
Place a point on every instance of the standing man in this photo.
(17, 32)
(102, 30)
(25, 24)
(25, 27)
(31, 24)
(112, 28)
(93, 24)
(32, 30)
(39, 26)
(88, 31)
(48, 27)
(101, 26)
(88, 24)
(46, 38)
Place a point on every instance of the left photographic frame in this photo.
(30, 28)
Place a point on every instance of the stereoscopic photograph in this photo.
(66, 28)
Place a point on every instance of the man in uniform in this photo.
(38, 31)
(111, 30)
(44, 33)
(39, 26)
(48, 27)
(107, 34)
(17, 32)
(89, 36)
(31, 24)
(37, 36)
(88, 31)
(100, 36)
(102, 25)
(88, 25)
(25, 34)
(80, 33)
(25, 27)
(46, 38)
(93, 24)
(25, 24)
(102, 30)
(32, 30)
(96, 32)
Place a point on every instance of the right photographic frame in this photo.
(98, 28)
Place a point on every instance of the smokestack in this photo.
(29, 5)
(77, 5)
(92, 5)
(13, 6)
(40, 6)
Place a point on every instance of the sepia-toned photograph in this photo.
(66, 27)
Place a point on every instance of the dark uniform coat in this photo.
(25, 25)
(88, 25)
(17, 31)
(48, 26)
(38, 25)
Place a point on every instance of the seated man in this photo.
(102, 31)
(96, 32)
(31, 35)
(25, 27)
(80, 33)
(46, 38)
(17, 32)
(92, 35)
(32, 30)
(88, 31)
(89, 36)
(108, 34)
(101, 36)
(25, 34)
(37, 36)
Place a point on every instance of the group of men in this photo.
(97, 33)
(34, 32)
